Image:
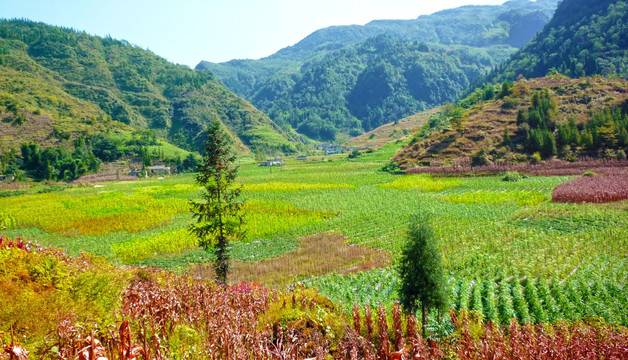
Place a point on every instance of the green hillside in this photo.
(363, 86)
(533, 120)
(57, 84)
(351, 79)
(583, 38)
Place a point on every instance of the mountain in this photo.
(514, 23)
(57, 84)
(351, 79)
(583, 38)
(366, 85)
(534, 119)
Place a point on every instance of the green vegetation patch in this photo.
(97, 214)
(284, 186)
(263, 219)
(562, 225)
(521, 197)
(422, 182)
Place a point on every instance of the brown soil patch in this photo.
(390, 132)
(317, 255)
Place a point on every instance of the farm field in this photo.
(508, 250)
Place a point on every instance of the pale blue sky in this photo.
(188, 31)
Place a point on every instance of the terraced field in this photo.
(508, 249)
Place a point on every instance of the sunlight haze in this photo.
(187, 32)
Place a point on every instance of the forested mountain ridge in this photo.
(57, 84)
(514, 23)
(584, 38)
(366, 85)
(351, 79)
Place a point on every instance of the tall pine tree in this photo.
(420, 269)
(218, 216)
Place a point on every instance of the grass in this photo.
(486, 228)
(422, 182)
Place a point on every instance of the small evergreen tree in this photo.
(506, 138)
(506, 90)
(218, 215)
(420, 269)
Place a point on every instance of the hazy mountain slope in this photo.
(583, 38)
(335, 80)
(514, 23)
(71, 83)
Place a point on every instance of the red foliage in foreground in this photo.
(548, 168)
(593, 189)
(562, 341)
(217, 322)
(6, 243)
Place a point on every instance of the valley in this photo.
(453, 186)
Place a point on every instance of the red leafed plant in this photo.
(593, 189)
(6, 243)
(166, 316)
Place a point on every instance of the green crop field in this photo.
(507, 249)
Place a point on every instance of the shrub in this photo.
(536, 158)
(481, 158)
(354, 154)
(392, 168)
(307, 313)
(514, 176)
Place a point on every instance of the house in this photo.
(274, 162)
(159, 170)
(301, 157)
(328, 147)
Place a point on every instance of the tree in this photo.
(218, 216)
(420, 270)
(189, 163)
(506, 138)
(506, 90)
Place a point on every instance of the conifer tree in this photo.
(218, 216)
(420, 269)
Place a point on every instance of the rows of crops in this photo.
(488, 229)
(590, 293)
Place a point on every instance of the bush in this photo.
(307, 313)
(514, 176)
(481, 158)
(12, 193)
(392, 168)
(536, 158)
(510, 103)
(354, 154)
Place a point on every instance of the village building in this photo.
(273, 162)
(159, 170)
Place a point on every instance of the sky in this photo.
(188, 31)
